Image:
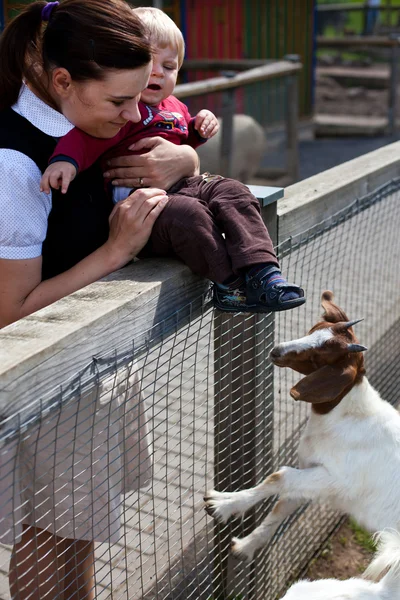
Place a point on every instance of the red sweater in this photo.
(170, 120)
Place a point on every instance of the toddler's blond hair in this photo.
(162, 30)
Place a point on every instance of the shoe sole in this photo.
(260, 309)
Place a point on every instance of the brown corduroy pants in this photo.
(191, 227)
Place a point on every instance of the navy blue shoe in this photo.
(265, 290)
(230, 299)
(268, 291)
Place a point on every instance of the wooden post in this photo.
(394, 80)
(292, 117)
(228, 111)
(365, 10)
(243, 420)
(388, 12)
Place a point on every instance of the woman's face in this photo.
(102, 108)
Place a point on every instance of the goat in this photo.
(387, 558)
(349, 453)
(248, 147)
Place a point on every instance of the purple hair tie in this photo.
(48, 9)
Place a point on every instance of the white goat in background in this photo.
(387, 559)
(248, 147)
(349, 453)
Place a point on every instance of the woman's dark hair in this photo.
(86, 37)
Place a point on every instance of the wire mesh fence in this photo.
(122, 453)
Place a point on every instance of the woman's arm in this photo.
(22, 291)
(161, 165)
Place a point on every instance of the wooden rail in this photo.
(354, 7)
(221, 64)
(372, 41)
(219, 84)
(228, 85)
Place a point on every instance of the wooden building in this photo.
(267, 29)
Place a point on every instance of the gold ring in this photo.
(140, 181)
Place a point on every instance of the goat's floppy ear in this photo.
(324, 385)
(332, 314)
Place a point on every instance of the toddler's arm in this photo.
(59, 173)
(80, 151)
(202, 127)
(206, 123)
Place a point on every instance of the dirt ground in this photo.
(333, 98)
(353, 96)
(346, 555)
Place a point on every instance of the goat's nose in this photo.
(275, 353)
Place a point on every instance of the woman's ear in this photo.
(324, 385)
(61, 81)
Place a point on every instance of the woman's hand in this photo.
(161, 165)
(131, 222)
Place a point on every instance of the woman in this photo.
(77, 63)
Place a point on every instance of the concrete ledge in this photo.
(313, 200)
(53, 344)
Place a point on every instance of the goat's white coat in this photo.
(357, 445)
(349, 457)
(313, 340)
(387, 557)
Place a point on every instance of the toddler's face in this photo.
(163, 76)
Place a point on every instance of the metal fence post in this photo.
(228, 111)
(292, 119)
(394, 80)
(243, 421)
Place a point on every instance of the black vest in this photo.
(78, 221)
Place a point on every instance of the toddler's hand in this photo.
(206, 123)
(58, 174)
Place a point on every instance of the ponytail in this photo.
(19, 41)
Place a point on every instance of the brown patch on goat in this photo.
(274, 478)
(277, 508)
(332, 314)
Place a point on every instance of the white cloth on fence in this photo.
(67, 474)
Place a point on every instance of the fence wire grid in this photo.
(123, 454)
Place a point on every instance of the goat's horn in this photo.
(356, 348)
(351, 323)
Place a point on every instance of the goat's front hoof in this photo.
(221, 505)
(240, 550)
(210, 510)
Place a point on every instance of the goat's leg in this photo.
(296, 486)
(223, 505)
(244, 548)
